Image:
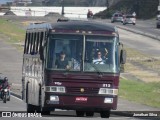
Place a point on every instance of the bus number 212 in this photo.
(106, 85)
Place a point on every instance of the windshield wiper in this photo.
(97, 70)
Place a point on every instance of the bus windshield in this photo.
(101, 54)
(82, 53)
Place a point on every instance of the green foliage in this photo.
(144, 93)
(144, 9)
(75, 3)
(104, 14)
(9, 29)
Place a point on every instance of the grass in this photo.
(141, 92)
(142, 66)
(12, 32)
(146, 91)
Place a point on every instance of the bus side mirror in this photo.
(123, 56)
(41, 53)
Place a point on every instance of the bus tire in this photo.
(80, 113)
(8, 99)
(30, 108)
(89, 113)
(105, 114)
(40, 109)
(4, 98)
(45, 111)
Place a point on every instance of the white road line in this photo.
(17, 98)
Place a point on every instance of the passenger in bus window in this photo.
(62, 62)
(105, 57)
(98, 59)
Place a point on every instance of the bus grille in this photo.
(82, 90)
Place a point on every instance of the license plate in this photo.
(81, 99)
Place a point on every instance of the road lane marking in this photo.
(17, 98)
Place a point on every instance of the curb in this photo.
(122, 113)
(16, 95)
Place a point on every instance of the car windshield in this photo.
(129, 16)
(118, 15)
(80, 55)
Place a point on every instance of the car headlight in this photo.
(58, 89)
(107, 91)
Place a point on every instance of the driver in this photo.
(5, 83)
(98, 59)
(62, 62)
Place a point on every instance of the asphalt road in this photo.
(17, 106)
(141, 43)
(10, 62)
(143, 26)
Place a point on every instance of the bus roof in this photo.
(83, 25)
(75, 25)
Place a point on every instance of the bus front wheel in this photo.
(80, 113)
(45, 111)
(30, 108)
(89, 114)
(40, 109)
(105, 114)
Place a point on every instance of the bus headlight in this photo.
(54, 98)
(58, 89)
(107, 91)
(108, 100)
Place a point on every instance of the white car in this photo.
(129, 19)
(117, 17)
(158, 17)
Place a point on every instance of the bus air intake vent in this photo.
(82, 90)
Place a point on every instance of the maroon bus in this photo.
(72, 65)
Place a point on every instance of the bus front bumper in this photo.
(74, 102)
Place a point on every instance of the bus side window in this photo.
(37, 42)
(33, 43)
(40, 41)
(25, 45)
(28, 42)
